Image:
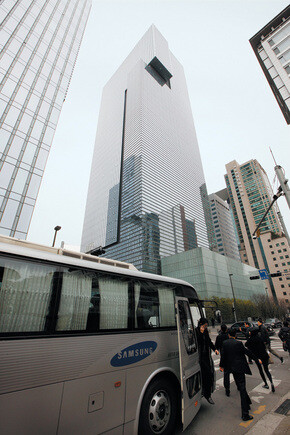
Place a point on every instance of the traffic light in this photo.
(273, 275)
(255, 277)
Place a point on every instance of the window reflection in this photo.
(186, 326)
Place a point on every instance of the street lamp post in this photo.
(56, 229)
(234, 299)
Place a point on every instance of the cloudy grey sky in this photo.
(235, 113)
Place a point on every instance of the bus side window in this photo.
(114, 302)
(146, 306)
(24, 295)
(166, 296)
(93, 320)
(76, 293)
(92, 302)
(154, 305)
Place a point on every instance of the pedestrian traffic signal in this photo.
(275, 274)
(255, 277)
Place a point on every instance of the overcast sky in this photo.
(235, 113)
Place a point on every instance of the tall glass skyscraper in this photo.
(39, 43)
(145, 192)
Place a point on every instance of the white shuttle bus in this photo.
(90, 345)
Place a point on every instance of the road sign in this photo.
(263, 274)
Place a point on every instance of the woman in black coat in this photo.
(256, 345)
(206, 364)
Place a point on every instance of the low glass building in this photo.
(209, 273)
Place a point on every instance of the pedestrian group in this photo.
(233, 358)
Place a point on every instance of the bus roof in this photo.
(27, 249)
(60, 251)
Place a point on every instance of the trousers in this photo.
(266, 368)
(240, 380)
(227, 380)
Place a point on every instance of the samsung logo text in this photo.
(134, 353)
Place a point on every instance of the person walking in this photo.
(233, 359)
(223, 335)
(258, 348)
(205, 345)
(247, 334)
(284, 335)
(266, 339)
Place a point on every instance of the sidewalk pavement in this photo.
(273, 423)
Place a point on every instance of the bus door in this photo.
(190, 377)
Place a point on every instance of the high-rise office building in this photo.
(226, 242)
(144, 198)
(250, 196)
(39, 43)
(272, 48)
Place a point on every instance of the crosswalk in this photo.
(276, 344)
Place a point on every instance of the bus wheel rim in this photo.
(159, 412)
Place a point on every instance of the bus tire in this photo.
(158, 412)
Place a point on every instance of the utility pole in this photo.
(234, 299)
(283, 182)
(284, 227)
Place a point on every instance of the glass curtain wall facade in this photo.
(144, 200)
(209, 273)
(39, 41)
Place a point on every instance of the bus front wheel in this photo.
(159, 409)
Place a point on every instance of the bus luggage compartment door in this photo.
(190, 378)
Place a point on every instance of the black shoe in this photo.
(228, 393)
(247, 417)
(266, 386)
(210, 401)
(272, 388)
(282, 360)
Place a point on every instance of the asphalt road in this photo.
(225, 416)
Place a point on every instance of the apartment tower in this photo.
(224, 228)
(39, 43)
(250, 195)
(145, 192)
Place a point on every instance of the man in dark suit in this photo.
(233, 359)
(223, 335)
